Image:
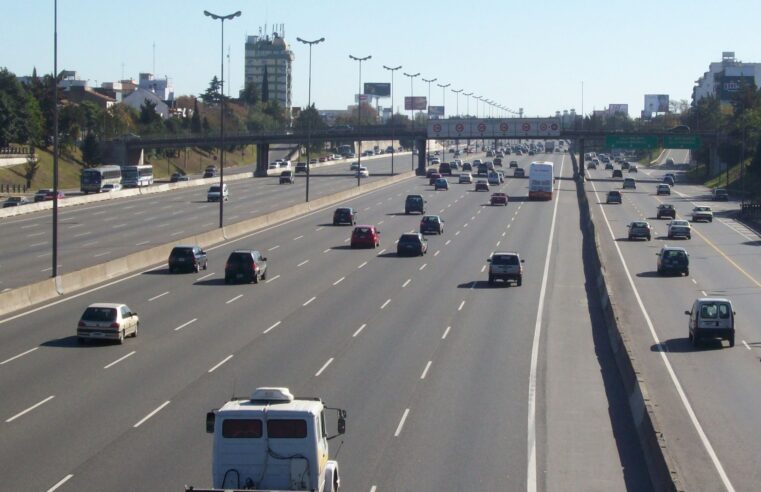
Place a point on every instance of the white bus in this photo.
(95, 178)
(137, 176)
(540, 180)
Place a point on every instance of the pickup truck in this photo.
(506, 266)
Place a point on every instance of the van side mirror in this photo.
(687, 313)
(264, 258)
(523, 261)
(488, 260)
(210, 418)
(341, 425)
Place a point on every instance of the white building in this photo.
(725, 77)
(138, 98)
(270, 55)
(161, 87)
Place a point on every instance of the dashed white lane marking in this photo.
(339, 281)
(82, 234)
(101, 254)
(694, 281)
(381, 251)
(273, 248)
(437, 253)
(325, 366)
(272, 279)
(425, 371)
(220, 363)
(303, 263)
(118, 226)
(119, 360)
(156, 297)
(407, 282)
(446, 332)
(422, 266)
(461, 306)
(177, 233)
(298, 237)
(704, 293)
(363, 264)
(19, 355)
(401, 422)
(43, 243)
(457, 233)
(309, 301)
(498, 243)
(746, 344)
(33, 225)
(272, 327)
(204, 277)
(447, 243)
(60, 482)
(142, 243)
(35, 234)
(234, 299)
(380, 222)
(24, 412)
(326, 250)
(319, 229)
(186, 324)
(145, 419)
(385, 304)
(359, 330)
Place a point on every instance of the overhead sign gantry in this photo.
(475, 128)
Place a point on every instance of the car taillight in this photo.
(227, 266)
(114, 325)
(82, 323)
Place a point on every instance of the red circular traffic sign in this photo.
(543, 126)
(554, 126)
(503, 127)
(437, 127)
(459, 127)
(526, 127)
(482, 127)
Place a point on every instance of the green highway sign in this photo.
(631, 141)
(681, 142)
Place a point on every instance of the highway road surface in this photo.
(449, 384)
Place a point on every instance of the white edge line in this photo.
(220, 363)
(19, 355)
(325, 366)
(359, 330)
(119, 360)
(144, 419)
(401, 422)
(61, 482)
(186, 324)
(272, 327)
(678, 385)
(24, 412)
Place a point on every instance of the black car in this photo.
(286, 177)
(666, 210)
(177, 177)
(344, 215)
(431, 224)
(301, 167)
(673, 260)
(414, 203)
(617, 173)
(413, 244)
(210, 173)
(245, 266)
(187, 258)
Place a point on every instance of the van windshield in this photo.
(714, 311)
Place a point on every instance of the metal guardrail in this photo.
(750, 210)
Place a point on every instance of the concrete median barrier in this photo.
(662, 470)
(68, 283)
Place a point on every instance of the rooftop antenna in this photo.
(154, 57)
(122, 70)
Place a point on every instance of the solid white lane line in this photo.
(309, 301)
(446, 332)
(746, 345)
(186, 324)
(156, 297)
(461, 306)
(297, 238)
(119, 360)
(221, 362)
(303, 263)
(339, 281)
(142, 243)
(405, 284)
(363, 264)
(101, 254)
(24, 412)
(325, 366)
(273, 248)
(437, 253)
(359, 330)
(425, 371)
(447, 243)
(144, 419)
(19, 355)
(401, 422)
(60, 482)
(667, 363)
(385, 303)
(531, 441)
(272, 327)
(272, 279)
(204, 277)
(423, 266)
(234, 299)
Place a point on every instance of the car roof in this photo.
(106, 305)
(665, 205)
(506, 253)
(184, 246)
(364, 225)
(673, 248)
(713, 299)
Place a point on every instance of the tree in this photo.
(31, 166)
(309, 120)
(212, 94)
(148, 114)
(195, 120)
(205, 125)
(91, 150)
(250, 94)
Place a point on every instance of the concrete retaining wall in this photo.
(23, 297)
(663, 473)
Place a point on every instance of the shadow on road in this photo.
(66, 342)
(683, 345)
(211, 281)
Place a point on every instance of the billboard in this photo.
(418, 103)
(618, 108)
(378, 89)
(730, 85)
(436, 111)
(363, 98)
(656, 103)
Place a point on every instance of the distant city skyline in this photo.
(532, 56)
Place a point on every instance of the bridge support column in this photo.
(262, 159)
(422, 155)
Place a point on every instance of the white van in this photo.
(214, 195)
(712, 317)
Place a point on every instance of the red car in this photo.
(365, 235)
(499, 199)
(323, 159)
(433, 177)
(47, 194)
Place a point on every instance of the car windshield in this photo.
(99, 314)
(504, 260)
(239, 259)
(362, 230)
(409, 238)
(673, 254)
(214, 189)
(639, 224)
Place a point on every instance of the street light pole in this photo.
(54, 274)
(393, 149)
(444, 97)
(359, 111)
(221, 90)
(457, 92)
(429, 95)
(309, 104)
(467, 102)
(412, 113)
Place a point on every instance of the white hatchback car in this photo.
(107, 321)
(679, 228)
(465, 178)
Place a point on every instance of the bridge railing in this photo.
(16, 150)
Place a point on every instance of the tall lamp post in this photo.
(429, 94)
(55, 140)
(457, 106)
(222, 19)
(444, 105)
(412, 112)
(392, 70)
(359, 111)
(467, 102)
(309, 104)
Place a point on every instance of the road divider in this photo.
(38, 292)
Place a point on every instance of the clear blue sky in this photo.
(530, 54)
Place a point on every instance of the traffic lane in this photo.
(718, 376)
(255, 358)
